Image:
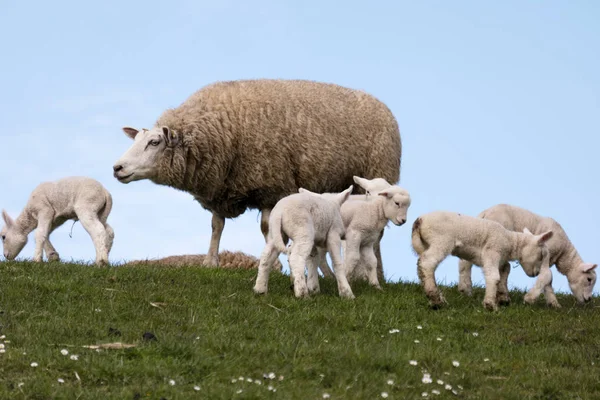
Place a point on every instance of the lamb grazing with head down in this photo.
(308, 220)
(581, 275)
(246, 144)
(488, 244)
(50, 205)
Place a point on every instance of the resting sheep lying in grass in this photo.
(308, 220)
(227, 259)
(49, 206)
(485, 243)
(581, 275)
(246, 144)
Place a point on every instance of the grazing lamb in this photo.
(309, 221)
(485, 243)
(228, 259)
(247, 144)
(371, 187)
(581, 275)
(50, 205)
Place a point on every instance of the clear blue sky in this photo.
(496, 102)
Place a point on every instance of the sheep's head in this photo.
(395, 206)
(582, 279)
(534, 252)
(13, 240)
(141, 160)
(371, 186)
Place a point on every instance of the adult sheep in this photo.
(246, 144)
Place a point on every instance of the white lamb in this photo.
(581, 275)
(49, 206)
(309, 221)
(485, 243)
(372, 187)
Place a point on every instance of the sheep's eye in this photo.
(154, 142)
(4, 237)
(398, 204)
(589, 279)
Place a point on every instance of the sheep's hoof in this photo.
(503, 299)
(465, 290)
(529, 299)
(38, 259)
(314, 290)
(53, 257)
(101, 263)
(553, 303)
(347, 294)
(301, 293)
(211, 261)
(277, 266)
(490, 305)
(260, 290)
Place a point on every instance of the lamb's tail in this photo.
(275, 223)
(418, 244)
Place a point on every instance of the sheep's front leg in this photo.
(269, 254)
(491, 272)
(542, 283)
(212, 257)
(426, 265)
(465, 285)
(377, 251)
(334, 247)
(503, 297)
(42, 233)
(264, 228)
(51, 252)
(369, 260)
(97, 232)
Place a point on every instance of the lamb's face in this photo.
(582, 281)
(13, 241)
(141, 160)
(396, 206)
(534, 252)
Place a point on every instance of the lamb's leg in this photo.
(212, 257)
(465, 285)
(426, 266)
(503, 297)
(313, 272)
(339, 266)
(322, 262)
(268, 255)
(491, 272)
(264, 228)
(42, 233)
(299, 254)
(110, 237)
(369, 260)
(377, 251)
(49, 249)
(97, 232)
(543, 283)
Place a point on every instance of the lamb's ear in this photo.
(544, 237)
(587, 267)
(362, 182)
(7, 219)
(171, 136)
(386, 194)
(346, 194)
(130, 132)
(525, 230)
(302, 190)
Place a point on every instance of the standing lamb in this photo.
(309, 220)
(485, 243)
(581, 275)
(247, 144)
(49, 206)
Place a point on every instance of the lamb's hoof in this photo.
(314, 290)
(211, 261)
(259, 290)
(378, 287)
(347, 294)
(490, 305)
(101, 263)
(553, 303)
(465, 290)
(38, 260)
(277, 266)
(53, 257)
(529, 299)
(503, 299)
(302, 293)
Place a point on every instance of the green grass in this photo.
(214, 329)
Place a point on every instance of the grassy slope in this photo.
(213, 328)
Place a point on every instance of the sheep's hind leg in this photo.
(502, 296)
(491, 272)
(465, 285)
(217, 224)
(264, 228)
(426, 266)
(299, 254)
(110, 237)
(377, 251)
(334, 247)
(312, 279)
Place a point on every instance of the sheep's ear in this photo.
(346, 194)
(362, 182)
(171, 136)
(544, 237)
(130, 132)
(525, 230)
(386, 194)
(587, 267)
(7, 219)
(302, 190)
